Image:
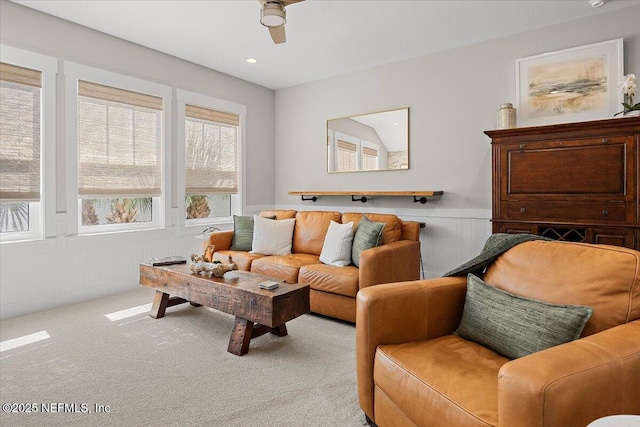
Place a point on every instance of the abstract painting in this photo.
(569, 85)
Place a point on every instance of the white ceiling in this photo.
(324, 37)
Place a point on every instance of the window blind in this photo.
(119, 142)
(20, 100)
(211, 151)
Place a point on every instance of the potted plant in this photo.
(628, 88)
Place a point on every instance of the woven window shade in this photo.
(343, 145)
(119, 142)
(211, 151)
(19, 133)
(369, 152)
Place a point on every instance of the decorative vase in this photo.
(506, 116)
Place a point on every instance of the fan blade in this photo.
(277, 34)
(285, 3)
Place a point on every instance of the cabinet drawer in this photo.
(565, 211)
(613, 236)
(515, 228)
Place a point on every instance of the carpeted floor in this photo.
(175, 371)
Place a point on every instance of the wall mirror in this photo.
(374, 141)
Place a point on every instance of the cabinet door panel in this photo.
(584, 169)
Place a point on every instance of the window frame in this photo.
(238, 201)
(162, 204)
(42, 214)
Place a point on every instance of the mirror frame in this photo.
(329, 141)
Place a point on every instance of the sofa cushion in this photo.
(606, 278)
(272, 237)
(515, 326)
(285, 267)
(243, 232)
(241, 258)
(310, 230)
(327, 278)
(455, 378)
(336, 249)
(392, 224)
(367, 236)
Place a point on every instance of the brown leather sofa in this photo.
(413, 371)
(333, 289)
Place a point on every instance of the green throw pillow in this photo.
(515, 326)
(243, 232)
(368, 235)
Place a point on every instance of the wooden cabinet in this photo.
(574, 181)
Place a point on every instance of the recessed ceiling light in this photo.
(252, 60)
(596, 3)
(396, 124)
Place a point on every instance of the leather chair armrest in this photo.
(220, 239)
(393, 262)
(402, 312)
(574, 383)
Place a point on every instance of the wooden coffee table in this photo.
(257, 311)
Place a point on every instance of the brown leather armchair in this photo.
(413, 371)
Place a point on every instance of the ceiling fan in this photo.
(273, 16)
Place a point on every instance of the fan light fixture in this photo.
(596, 3)
(272, 14)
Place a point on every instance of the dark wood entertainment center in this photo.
(576, 181)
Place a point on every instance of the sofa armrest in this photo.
(393, 262)
(221, 240)
(574, 383)
(402, 312)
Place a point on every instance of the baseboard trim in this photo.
(47, 302)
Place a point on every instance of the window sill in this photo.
(27, 246)
(87, 240)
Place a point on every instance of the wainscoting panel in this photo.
(447, 242)
(63, 270)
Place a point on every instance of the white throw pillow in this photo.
(336, 249)
(272, 237)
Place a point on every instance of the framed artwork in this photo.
(570, 85)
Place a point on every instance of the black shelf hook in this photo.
(362, 199)
(313, 199)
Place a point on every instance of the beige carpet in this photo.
(176, 371)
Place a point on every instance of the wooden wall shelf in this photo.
(362, 196)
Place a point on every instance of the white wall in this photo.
(65, 269)
(453, 97)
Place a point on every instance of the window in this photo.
(119, 125)
(27, 94)
(346, 156)
(211, 131)
(369, 158)
(211, 160)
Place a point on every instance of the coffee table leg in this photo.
(280, 330)
(240, 336)
(160, 303)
